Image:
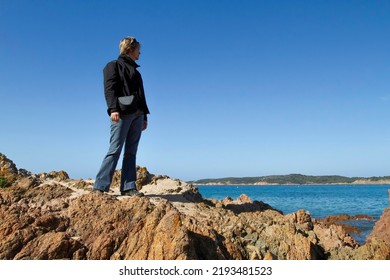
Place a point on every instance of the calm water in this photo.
(319, 200)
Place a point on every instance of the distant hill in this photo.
(292, 179)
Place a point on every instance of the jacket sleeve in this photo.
(112, 86)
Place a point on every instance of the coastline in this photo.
(51, 216)
(292, 185)
(293, 179)
(321, 201)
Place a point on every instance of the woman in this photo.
(121, 78)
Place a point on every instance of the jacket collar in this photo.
(128, 59)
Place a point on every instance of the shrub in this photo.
(3, 182)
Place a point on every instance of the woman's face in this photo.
(135, 54)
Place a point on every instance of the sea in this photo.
(319, 200)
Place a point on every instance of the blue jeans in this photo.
(125, 132)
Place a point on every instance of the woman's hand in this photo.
(115, 117)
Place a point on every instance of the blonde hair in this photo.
(128, 45)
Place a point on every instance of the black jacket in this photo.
(114, 87)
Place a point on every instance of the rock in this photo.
(333, 238)
(52, 245)
(54, 175)
(133, 229)
(24, 173)
(172, 190)
(89, 227)
(382, 228)
(143, 178)
(83, 184)
(8, 170)
(376, 249)
(244, 204)
(340, 219)
(301, 218)
(339, 245)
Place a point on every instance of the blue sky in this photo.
(235, 88)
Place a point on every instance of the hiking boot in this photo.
(132, 192)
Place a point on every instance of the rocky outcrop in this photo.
(8, 170)
(382, 228)
(54, 217)
(340, 219)
(9, 173)
(54, 221)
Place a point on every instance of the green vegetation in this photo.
(292, 179)
(3, 182)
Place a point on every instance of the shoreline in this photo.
(273, 184)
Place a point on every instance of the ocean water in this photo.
(319, 200)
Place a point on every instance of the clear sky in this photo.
(235, 88)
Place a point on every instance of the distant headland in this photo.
(293, 179)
